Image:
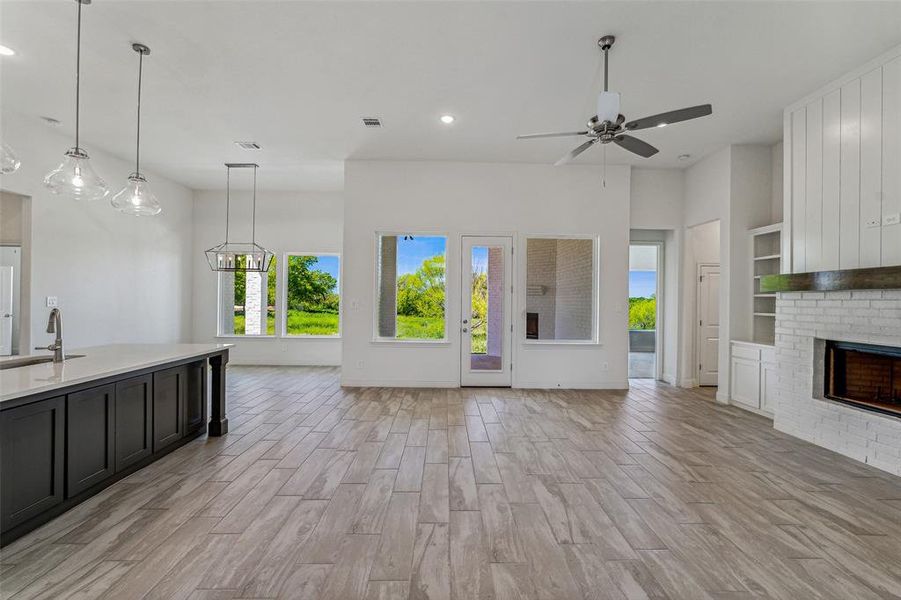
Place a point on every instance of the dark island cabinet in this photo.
(134, 420)
(31, 460)
(169, 389)
(58, 450)
(195, 410)
(90, 437)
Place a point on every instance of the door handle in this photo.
(464, 330)
(465, 321)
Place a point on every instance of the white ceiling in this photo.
(297, 77)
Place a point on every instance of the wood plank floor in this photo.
(323, 492)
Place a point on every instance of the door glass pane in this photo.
(642, 310)
(487, 319)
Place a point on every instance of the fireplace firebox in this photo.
(865, 375)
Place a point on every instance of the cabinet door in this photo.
(133, 414)
(768, 373)
(746, 382)
(90, 438)
(31, 457)
(169, 388)
(195, 398)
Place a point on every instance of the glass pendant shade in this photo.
(239, 256)
(76, 177)
(136, 198)
(9, 162)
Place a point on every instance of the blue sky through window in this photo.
(642, 284)
(330, 265)
(411, 252)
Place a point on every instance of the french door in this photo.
(487, 315)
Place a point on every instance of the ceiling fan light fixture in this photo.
(608, 107)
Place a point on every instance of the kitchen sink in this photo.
(27, 361)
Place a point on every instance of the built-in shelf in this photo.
(766, 260)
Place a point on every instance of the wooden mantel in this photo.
(876, 278)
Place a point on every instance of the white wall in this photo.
(778, 169)
(458, 198)
(657, 198)
(286, 222)
(118, 278)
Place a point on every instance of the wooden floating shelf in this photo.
(770, 257)
(764, 314)
(767, 295)
(875, 278)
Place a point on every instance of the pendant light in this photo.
(9, 162)
(75, 176)
(136, 198)
(240, 256)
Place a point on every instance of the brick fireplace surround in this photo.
(803, 321)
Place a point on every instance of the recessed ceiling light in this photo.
(684, 156)
(51, 121)
(6, 51)
(661, 124)
(447, 119)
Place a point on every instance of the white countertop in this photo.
(98, 362)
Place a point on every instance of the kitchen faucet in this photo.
(55, 325)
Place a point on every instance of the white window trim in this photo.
(281, 316)
(387, 341)
(595, 289)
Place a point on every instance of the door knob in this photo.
(465, 321)
(464, 330)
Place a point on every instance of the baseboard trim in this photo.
(688, 383)
(398, 383)
(617, 384)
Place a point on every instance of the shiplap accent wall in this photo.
(843, 172)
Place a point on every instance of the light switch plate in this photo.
(871, 223)
(892, 219)
(52, 301)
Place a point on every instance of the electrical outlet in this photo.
(871, 223)
(354, 304)
(605, 366)
(359, 364)
(52, 302)
(892, 219)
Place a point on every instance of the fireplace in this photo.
(864, 375)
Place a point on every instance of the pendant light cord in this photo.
(77, 75)
(138, 137)
(228, 176)
(253, 219)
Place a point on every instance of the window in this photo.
(411, 287)
(247, 302)
(312, 297)
(560, 289)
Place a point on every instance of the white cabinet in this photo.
(753, 377)
(842, 186)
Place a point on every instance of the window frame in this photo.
(376, 245)
(594, 340)
(281, 315)
(244, 336)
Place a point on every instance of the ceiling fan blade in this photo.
(633, 144)
(667, 118)
(530, 136)
(576, 152)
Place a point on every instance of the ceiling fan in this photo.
(610, 126)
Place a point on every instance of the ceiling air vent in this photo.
(248, 145)
(371, 122)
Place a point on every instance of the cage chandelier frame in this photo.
(231, 256)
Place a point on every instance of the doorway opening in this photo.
(486, 328)
(644, 309)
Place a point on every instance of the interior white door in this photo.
(708, 323)
(6, 311)
(487, 313)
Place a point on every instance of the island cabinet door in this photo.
(90, 437)
(195, 399)
(134, 420)
(31, 460)
(169, 388)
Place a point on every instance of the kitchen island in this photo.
(70, 429)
